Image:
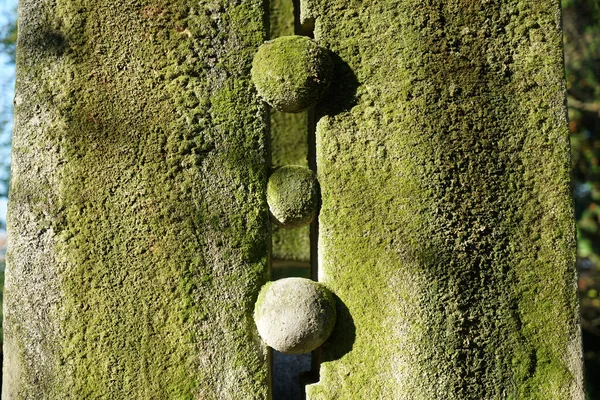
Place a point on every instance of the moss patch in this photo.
(293, 196)
(138, 218)
(291, 73)
(446, 226)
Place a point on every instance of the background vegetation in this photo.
(581, 20)
(582, 56)
(8, 37)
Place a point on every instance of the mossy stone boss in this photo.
(294, 315)
(293, 196)
(291, 73)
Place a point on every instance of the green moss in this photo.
(281, 17)
(291, 73)
(446, 225)
(291, 244)
(289, 138)
(289, 145)
(140, 167)
(293, 196)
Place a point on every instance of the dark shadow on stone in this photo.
(339, 343)
(287, 372)
(49, 43)
(341, 94)
(591, 355)
(343, 336)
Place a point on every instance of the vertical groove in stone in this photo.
(291, 247)
(317, 355)
(289, 141)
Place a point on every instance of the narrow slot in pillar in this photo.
(291, 249)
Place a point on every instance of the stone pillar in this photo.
(446, 227)
(138, 224)
(137, 219)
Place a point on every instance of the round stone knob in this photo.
(291, 73)
(293, 196)
(294, 315)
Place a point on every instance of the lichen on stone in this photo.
(138, 218)
(291, 73)
(295, 315)
(446, 226)
(293, 196)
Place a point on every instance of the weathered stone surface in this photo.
(137, 220)
(294, 315)
(291, 73)
(293, 196)
(446, 226)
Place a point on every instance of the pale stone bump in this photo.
(294, 315)
(293, 196)
(291, 73)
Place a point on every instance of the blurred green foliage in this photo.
(581, 21)
(8, 42)
(8, 36)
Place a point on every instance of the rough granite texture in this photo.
(446, 227)
(137, 216)
(289, 145)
